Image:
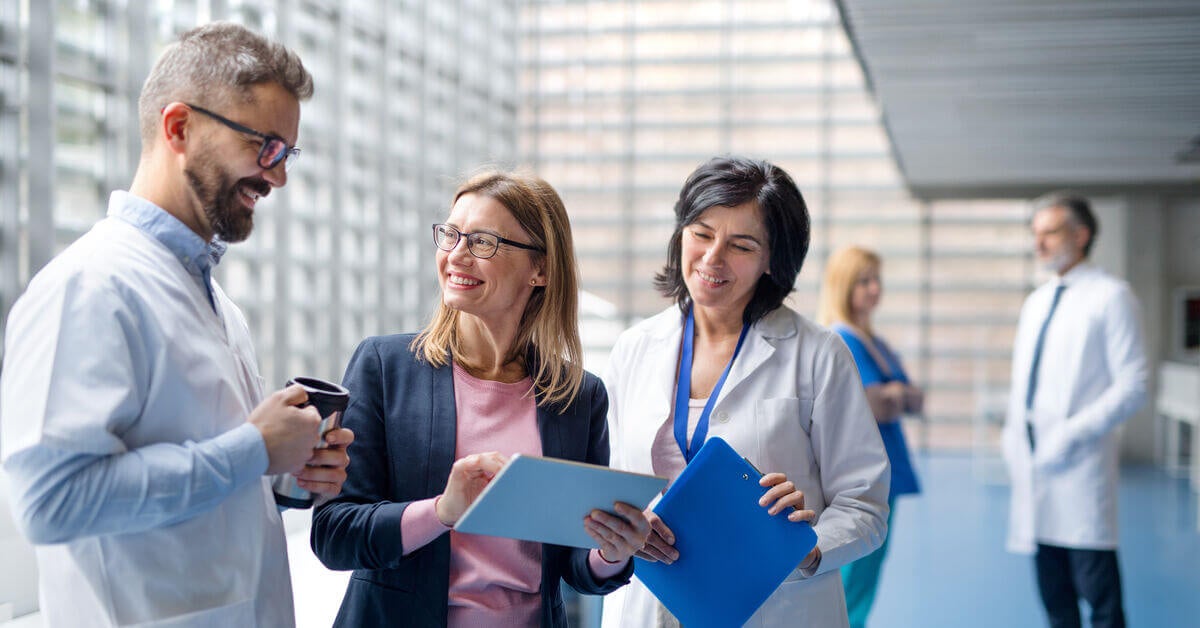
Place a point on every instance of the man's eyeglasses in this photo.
(481, 245)
(274, 148)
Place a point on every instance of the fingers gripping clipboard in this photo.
(732, 554)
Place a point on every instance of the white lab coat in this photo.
(187, 375)
(793, 403)
(1092, 378)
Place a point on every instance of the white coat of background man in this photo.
(135, 431)
(1078, 371)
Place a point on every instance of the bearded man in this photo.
(136, 432)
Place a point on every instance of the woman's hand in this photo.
(660, 545)
(812, 560)
(468, 477)
(914, 399)
(886, 401)
(325, 472)
(897, 396)
(784, 495)
(621, 535)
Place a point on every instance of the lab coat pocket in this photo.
(237, 614)
(813, 602)
(784, 428)
(786, 410)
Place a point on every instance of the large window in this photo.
(409, 97)
(624, 99)
(613, 102)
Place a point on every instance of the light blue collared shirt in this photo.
(196, 255)
(107, 423)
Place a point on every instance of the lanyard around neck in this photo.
(683, 389)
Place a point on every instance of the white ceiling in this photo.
(986, 97)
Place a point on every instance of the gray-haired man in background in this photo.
(1078, 371)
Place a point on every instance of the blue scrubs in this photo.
(861, 577)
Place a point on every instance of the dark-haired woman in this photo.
(781, 390)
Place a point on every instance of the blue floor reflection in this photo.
(947, 565)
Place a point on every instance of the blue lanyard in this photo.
(683, 389)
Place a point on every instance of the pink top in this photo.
(493, 581)
(665, 456)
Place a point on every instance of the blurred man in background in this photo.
(1078, 372)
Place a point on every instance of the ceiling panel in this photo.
(988, 96)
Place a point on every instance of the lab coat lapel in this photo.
(663, 361)
(757, 349)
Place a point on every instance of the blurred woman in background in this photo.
(850, 294)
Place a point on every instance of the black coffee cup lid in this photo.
(328, 396)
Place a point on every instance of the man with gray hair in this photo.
(136, 431)
(1078, 371)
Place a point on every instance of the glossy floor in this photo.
(947, 566)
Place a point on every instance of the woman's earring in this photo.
(533, 282)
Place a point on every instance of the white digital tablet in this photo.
(546, 499)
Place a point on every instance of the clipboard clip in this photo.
(746, 476)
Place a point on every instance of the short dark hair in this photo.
(728, 182)
(1078, 207)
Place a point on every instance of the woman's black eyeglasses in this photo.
(274, 148)
(481, 245)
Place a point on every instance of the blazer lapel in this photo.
(550, 426)
(443, 428)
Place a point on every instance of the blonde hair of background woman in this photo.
(842, 270)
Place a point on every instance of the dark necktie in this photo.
(1031, 390)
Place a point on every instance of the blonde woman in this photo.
(497, 372)
(849, 296)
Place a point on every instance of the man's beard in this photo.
(219, 195)
(1057, 262)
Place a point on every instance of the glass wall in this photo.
(623, 99)
(409, 97)
(612, 101)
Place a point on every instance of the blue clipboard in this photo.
(732, 554)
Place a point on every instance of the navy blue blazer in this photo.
(403, 416)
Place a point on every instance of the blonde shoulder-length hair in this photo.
(547, 340)
(842, 270)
